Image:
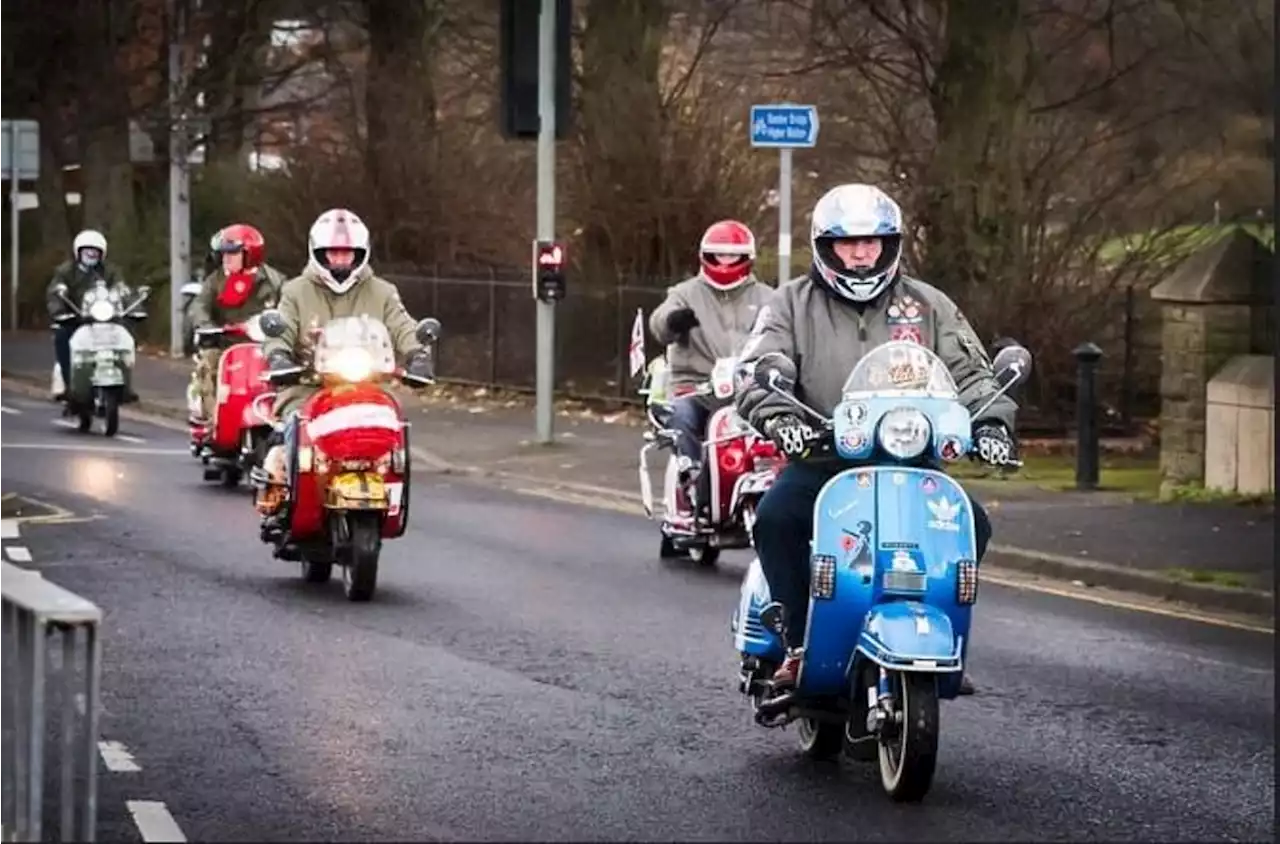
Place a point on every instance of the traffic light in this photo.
(548, 271)
(518, 50)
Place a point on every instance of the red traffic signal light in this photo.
(550, 256)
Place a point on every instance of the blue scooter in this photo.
(894, 569)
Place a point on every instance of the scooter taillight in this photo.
(732, 460)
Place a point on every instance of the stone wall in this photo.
(1197, 341)
(1216, 305)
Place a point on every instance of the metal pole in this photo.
(1087, 356)
(546, 225)
(179, 186)
(14, 246)
(784, 215)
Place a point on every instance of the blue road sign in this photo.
(784, 125)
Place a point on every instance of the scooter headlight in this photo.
(102, 311)
(904, 433)
(352, 364)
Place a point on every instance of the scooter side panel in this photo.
(750, 636)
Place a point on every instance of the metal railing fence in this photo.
(51, 663)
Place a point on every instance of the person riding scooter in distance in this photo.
(337, 282)
(244, 285)
(73, 279)
(704, 318)
(853, 299)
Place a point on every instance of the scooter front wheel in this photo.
(909, 740)
(110, 412)
(360, 557)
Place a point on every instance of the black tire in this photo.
(317, 572)
(230, 477)
(907, 764)
(667, 550)
(820, 739)
(85, 419)
(364, 545)
(704, 555)
(111, 412)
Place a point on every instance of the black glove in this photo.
(994, 445)
(420, 365)
(682, 321)
(280, 360)
(790, 434)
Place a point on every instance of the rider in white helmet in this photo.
(72, 279)
(337, 282)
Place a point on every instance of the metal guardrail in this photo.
(49, 633)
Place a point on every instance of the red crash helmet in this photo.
(727, 254)
(244, 238)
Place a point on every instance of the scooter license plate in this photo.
(357, 491)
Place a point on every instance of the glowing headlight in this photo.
(904, 433)
(352, 364)
(102, 311)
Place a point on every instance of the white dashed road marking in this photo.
(13, 410)
(154, 821)
(8, 529)
(18, 553)
(130, 438)
(117, 757)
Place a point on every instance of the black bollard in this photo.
(1087, 356)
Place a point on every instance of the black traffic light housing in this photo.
(548, 271)
(518, 48)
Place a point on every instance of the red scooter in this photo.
(349, 459)
(241, 424)
(744, 465)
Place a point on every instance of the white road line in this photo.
(117, 757)
(18, 553)
(118, 452)
(8, 529)
(130, 438)
(154, 821)
(65, 423)
(13, 410)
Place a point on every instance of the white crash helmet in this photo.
(89, 239)
(849, 211)
(338, 228)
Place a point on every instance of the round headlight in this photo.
(102, 310)
(904, 433)
(352, 364)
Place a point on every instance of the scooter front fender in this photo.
(910, 636)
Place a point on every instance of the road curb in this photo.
(1207, 596)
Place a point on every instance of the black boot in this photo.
(966, 687)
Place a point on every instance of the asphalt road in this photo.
(528, 670)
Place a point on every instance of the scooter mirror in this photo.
(271, 323)
(1012, 365)
(428, 330)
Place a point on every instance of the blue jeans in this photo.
(784, 528)
(689, 417)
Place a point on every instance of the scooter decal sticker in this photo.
(905, 310)
(864, 479)
(857, 546)
(929, 485)
(944, 513)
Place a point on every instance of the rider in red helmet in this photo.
(704, 318)
(243, 285)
